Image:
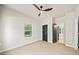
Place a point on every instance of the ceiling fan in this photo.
(41, 10)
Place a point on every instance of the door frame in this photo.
(62, 24)
(76, 33)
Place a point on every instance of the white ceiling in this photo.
(28, 9)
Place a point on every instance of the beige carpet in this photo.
(43, 48)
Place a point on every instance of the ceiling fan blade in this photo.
(39, 14)
(47, 9)
(36, 6)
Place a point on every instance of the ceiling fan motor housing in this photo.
(41, 6)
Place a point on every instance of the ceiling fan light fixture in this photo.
(41, 12)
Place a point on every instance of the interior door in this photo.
(54, 33)
(45, 32)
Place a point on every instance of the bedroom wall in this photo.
(69, 25)
(12, 28)
(76, 26)
(71, 22)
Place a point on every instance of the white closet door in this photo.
(76, 33)
(69, 32)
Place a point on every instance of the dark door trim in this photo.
(78, 34)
